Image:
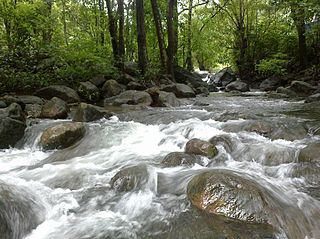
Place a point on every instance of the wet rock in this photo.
(11, 131)
(260, 127)
(309, 171)
(224, 140)
(63, 92)
(313, 98)
(224, 77)
(86, 113)
(33, 110)
(162, 98)
(130, 178)
(213, 88)
(202, 90)
(98, 80)
(180, 90)
(2, 104)
(270, 84)
(9, 99)
(130, 97)
(14, 111)
(222, 192)
(238, 86)
(30, 99)
(286, 92)
(302, 88)
(55, 108)
(88, 91)
(311, 153)
(201, 147)
(125, 79)
(186, 77)
(112, 88)
(131, 68)
(178, 158)
(132, 85)
(289, 131)
(20, 211)
(62, 136)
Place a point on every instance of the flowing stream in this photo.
(66, 194)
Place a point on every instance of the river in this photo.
(67, 194)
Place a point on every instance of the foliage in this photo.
(275, 65)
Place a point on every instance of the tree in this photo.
(141, 37)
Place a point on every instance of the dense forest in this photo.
(46, 42)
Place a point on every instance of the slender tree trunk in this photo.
(47, 33)
(298, 16)
(175, 30)
(113, 31)
(189, 36)
(121, 31)
(101, 23)
(141, 34)
(159, 30)
(65, 31)
(171, 38)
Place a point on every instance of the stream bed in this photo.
(67, 194)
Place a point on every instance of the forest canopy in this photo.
(66, 41)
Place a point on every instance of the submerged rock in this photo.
(179, 158)
(130, 178)
(55, 108)
(222, 192)
(20, 211)
(313, 98)
(62, 136)
(63, 92)
(86, 113)
(311, 153)
(201, 147)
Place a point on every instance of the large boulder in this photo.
(55, 109)
(111, 88)
(130, 178)
(98, 80)
(222, 192)
(125, 79)
(286, 91)
(33, 110)
(237, 86)
(313, 98)
(311, 153)
(133, 85)
(88, 91)
(270, 84)
(131, 68)
(30, 99)
(162, 98)
(63, 92)
(9, 99)
(201, 147)
(302, 88)
(180, 90)
(186, 77)
(130, 97)
(223, 77)
(2, 104)
(224, 140)
(86, 113)
(12, 125)
(179, 158)
(62, 136)
(20, 211)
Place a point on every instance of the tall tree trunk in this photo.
(298, 16)
(141, 34)
(175, 30)
(159, 30)
(113, 31)
(189, 36)
(101, 22)
(65, 31)
(171, 38)
(121, 32)
(47, 33)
